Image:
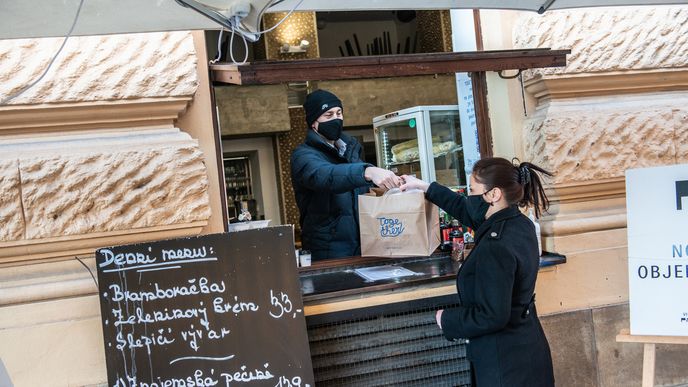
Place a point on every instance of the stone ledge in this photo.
(67, 247)
(577, 208)
(145, 112)
(612, 83)
(587, 190)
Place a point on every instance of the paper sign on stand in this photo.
(657, 215)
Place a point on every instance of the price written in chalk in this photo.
(282, 306)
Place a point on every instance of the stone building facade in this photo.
(115, 145)
(619, 103)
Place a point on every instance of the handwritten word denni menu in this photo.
(214, 310)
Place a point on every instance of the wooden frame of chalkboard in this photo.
(217, 309)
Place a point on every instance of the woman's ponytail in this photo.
(533, 190)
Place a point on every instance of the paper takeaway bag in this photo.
(398, 225)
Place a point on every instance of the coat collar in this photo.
(497, 219)
(315, 140)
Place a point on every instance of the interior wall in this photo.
(268, 174)
(334, 29)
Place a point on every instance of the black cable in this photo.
(89, 271)
(30, 85)
(545, 6)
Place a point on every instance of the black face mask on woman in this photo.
(477, 207)
(331, 129)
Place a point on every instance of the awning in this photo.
(46, 18)
(523, 5)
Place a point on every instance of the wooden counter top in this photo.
(337, 278)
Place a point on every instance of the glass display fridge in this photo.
(425, 141)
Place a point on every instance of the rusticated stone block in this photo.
(114, 188)
(11, 215)
(99, 68)
(681, 141)
(585, 145)
(613, 39)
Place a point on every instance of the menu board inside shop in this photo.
(214, 310)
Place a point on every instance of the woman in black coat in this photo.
(504, 339)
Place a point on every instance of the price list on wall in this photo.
(214, 310)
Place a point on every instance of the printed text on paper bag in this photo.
(390, 227)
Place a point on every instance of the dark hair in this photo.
(520, 182)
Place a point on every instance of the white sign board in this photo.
(657, 205)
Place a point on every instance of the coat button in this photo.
(467, 341)
(493, 235)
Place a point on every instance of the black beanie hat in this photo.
(317, 103)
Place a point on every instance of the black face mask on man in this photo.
(331, 129)
(477, 207)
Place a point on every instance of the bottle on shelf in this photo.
(444, 231)
(456, 226)
(457, 245)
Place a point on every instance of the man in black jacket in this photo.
(328, 174)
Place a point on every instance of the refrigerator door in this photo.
(400, 145)
(424, 141)
(446, 164)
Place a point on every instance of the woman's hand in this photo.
(438, 317)
(382, 178)
(411, 182)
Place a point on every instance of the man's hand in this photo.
(438, 317)
(411, 182)
(382, 177)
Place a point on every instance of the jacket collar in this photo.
(498, 217)
(315, 140)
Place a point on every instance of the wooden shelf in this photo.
(383, 66)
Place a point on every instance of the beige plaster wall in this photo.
(197, 121)
(503, 95)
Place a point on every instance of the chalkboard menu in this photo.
(214, 310)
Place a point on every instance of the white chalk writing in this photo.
(220, 306)
(158, 293)
(122, 259)
(156, 339)
(185, 253)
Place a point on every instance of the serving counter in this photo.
(366, 332)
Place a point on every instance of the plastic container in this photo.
(243, 226)
(531, 216)
(305, 258)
